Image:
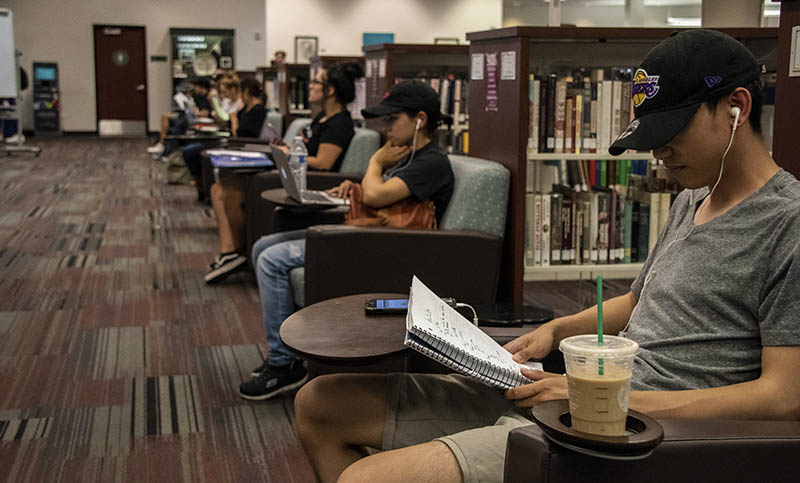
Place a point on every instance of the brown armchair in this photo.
(461, 259)
(692, 450)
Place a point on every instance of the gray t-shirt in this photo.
(712, 300)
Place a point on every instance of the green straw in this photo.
(600, 321)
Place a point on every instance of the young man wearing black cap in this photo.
(714, 309)
(410, 164)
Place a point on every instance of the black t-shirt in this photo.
(201, 101)
(428, 176)
(251, 121)
(338, 130)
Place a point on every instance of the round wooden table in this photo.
(338, 331)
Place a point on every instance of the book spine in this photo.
(586, 244)
(529, 210)
(533, 143)
(655, 212)
(628, 233)
(537, 226)
(605, 115)
(589, 140)
(619, 255)
(612, 227)
(555, 229)
(546, 230)
(593, 227)
(561, 104)
(552, 81)
(616, 105)
(543, 117)
(578, 124)
(644, 232)
(566, 229)
(603, 226)
(569, 120)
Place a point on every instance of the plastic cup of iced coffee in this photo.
(599, 382)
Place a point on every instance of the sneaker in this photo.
(274, 381)
(258, 370)
(224, 265)
(156, 148)
(16, 139)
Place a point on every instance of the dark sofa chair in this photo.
(707, 451)
(461, 259)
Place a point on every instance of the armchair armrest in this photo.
(692, 450)
(343, 260)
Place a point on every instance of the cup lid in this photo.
(586, 345)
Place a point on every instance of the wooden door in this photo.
(120, 80)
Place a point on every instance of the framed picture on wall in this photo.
(305, 48)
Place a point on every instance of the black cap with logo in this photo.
(676, 77)
(406, 96)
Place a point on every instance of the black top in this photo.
(337, 129)
(201, 101)
(429, 176)
(250, 121)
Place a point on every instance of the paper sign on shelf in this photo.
(508, 65)
(477, 67)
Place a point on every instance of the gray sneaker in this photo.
(223, 266)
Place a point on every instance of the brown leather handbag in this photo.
(406, 213)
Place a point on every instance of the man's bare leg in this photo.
(427, 462)
(337, 416)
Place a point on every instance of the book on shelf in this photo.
(614, 222)
(578, 112)
(438, 331)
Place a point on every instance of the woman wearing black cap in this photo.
(409, 165)
(326, 140)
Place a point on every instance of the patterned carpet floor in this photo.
(117, 362)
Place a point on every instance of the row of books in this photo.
(585, 174)
(453, 94)
(454, 142)
(601, 226)
(578, 113)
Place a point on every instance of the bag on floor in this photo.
(177, 171)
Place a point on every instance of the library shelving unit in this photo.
(281, 75)
(499, 114)
(386, 62)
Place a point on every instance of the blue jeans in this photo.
(275, 256)
(193, 156)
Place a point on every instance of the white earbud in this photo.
(420, 121)
(735, 112)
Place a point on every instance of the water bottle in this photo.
(298, 157)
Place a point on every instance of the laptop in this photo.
(306, 197)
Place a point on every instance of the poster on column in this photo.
(491, 82)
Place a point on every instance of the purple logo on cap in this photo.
(644, 87)
(712, 80)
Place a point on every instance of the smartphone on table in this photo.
(397, 306)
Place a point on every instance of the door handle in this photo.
(140, 87)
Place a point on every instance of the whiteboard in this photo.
(8, 65)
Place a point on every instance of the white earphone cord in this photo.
(736, 112)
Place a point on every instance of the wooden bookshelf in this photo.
(502, 134)
(582, 272)
(282, 73)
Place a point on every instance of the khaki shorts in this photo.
(472, 419)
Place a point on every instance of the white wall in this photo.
(339, 24)
(61, 31)
(577, 13)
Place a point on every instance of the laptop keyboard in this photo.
(315, 196)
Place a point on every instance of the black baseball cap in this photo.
(675, 77)
(409, 95)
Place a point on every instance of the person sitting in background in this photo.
(326, 140)
(409, 167)
(226, 112)
(175, 123)
(226, 101)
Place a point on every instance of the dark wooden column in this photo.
(787, 95)
(502, 136)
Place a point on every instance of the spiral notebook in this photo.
(437, 330)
